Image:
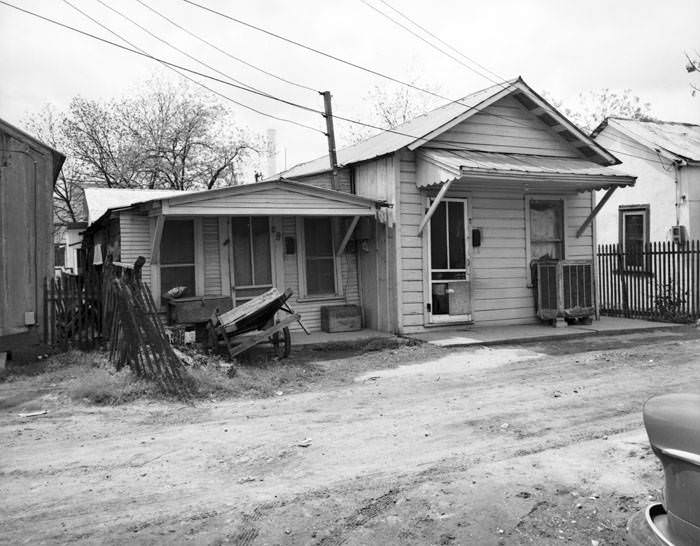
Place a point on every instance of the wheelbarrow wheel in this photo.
(282, 343)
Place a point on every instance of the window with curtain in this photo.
(319, 257)
(177, 256)
(547, 229)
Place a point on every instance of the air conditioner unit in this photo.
(679, 234)
(563, 288)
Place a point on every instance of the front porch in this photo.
(465, 336)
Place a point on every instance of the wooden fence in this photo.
(659, 282)
(73, 311)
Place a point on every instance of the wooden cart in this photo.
(257, 318)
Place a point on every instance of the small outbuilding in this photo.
(28, 172)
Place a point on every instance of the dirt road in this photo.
(516, 445)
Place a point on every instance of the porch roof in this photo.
(278, 198)
(531, 172)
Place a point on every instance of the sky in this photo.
(562, 48)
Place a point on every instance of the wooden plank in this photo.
(592, 215)
(348, 234)
(433, 207)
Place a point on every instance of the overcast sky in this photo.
(560, 47)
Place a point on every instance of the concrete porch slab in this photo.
(465, 336)
(300, 339)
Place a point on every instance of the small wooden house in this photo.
(28, 172)
(228, 245)
(479, 188)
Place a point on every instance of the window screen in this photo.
(320, 259)
(547, 229)
(177, 256)
(252, 263)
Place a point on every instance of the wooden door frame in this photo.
(427, 263)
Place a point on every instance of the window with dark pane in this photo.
(320, 259)
(177, 256)
(547, 229)
(634, 228)
(177, 242)
(438, 237)
(456, 236)
(252, 262)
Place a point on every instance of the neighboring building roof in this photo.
(57, 157)
(680, 140)
(456, 164)
(99, 200)
(420, 130)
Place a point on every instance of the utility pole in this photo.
(330, 133)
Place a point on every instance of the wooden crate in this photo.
(196, 309)
(341, 318)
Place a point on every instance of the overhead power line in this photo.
(174, 47)
(196, 82)
(440, 40)
(272, 97)
(428, 42)
(224, 52)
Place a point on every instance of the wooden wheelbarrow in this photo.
(256, 316)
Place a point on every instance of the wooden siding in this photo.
(136, 240)
(26, 238)
(500, 291)
(323, 180)
(212, 260)
(310, 310)
(512, 129)
(267, 203)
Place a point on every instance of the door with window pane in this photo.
(450, 286)
(251, 256)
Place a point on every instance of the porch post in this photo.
(434, 206)
(155, 243)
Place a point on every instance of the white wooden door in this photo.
(449, 264)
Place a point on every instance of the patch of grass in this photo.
(105, 386)
(253, 380)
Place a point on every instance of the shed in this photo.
(28, 171)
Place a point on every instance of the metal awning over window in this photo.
(516, 171)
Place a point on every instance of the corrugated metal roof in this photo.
(679, 139)
(415, 130)
(100, 200)
(456, 163)
(387, 142)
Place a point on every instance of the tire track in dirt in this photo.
(359, 518)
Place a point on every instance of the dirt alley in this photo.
(536, 444)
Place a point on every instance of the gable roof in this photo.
(420, 130)
(680, 140)
(15, 132)
(100, 200)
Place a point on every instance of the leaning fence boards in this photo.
(136, 335)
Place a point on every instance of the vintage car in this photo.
(672, 422)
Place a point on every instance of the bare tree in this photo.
(389, 107)
(693, 65)
(592, 107)
(69, 205)
(166, 136)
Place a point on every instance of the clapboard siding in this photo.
(212, 261)
(311, 310)
(506, 127)
(324, 180)
(135, 230)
